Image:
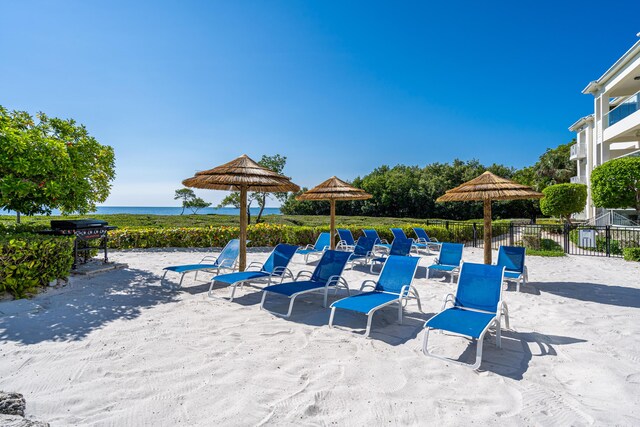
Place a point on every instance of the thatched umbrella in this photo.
(334, 189)
(241, 174)
(488, 187)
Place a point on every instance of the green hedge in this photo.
(632, 254)
(29, 261)
(260, 235)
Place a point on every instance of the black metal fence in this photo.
(605, 241)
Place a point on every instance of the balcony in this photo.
(579, 180)
(625, 109)
(578, 151)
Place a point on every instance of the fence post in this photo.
(475, 236)
(607, 233)
(565, 232)
(510, 234)
(446, 225)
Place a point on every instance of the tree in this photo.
(616, 184)
(196, 203)
(563, 200)
(275, 163)
(184, 194)
(554, 167)
(51, 163)
(190, 200)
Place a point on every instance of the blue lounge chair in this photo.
(276, 266)
(346, 243)
(363, 251)
(512, 259)
(393, 286)
(398, 233)
(423, 237)
(476, 307)
(327, 274)
(449, 259)
(225, 261)
(399, 247)
(380, 244)
(322, 244)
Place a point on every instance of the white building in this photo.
(613, 130)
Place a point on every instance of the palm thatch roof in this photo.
(241, 172)
(489, 187)
(334, 189)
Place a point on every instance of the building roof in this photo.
(581, 122)
(617, 66)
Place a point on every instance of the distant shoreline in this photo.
(165, 210)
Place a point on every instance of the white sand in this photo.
(117, 350)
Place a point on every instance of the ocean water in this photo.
(165, 210)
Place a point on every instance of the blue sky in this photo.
(337, 87)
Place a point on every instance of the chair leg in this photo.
(478, 352)
(417, 297)
(233, 291)
(181, 279)
(367, 332)
(400, 305)
(425, 343)
(195, 278)
(264, 297)
(163, 277)
(505, 313)
(290, 307)
(333, 312)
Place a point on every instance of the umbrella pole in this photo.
(243, 228)
(487, 231)
(333, 223)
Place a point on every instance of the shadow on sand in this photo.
(75, 313)
(518, 348)
(591, 292)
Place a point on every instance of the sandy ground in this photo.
(116, 349)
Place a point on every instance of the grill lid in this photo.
(77, 224)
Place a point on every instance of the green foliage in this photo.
(29, 261)
(51, 163)
(262, 234)
(553, 167)
(617, 242)
(562, 200)
(541, 247)
(616, 183)
(632, 254)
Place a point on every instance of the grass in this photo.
(548, 248)
(171, 221)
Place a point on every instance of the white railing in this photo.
(627, 107)
(578, 180)
(612, 218)
(578, 151)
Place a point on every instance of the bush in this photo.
(616, 246)
(632, 254)
(563, 200)
(29, 261)
(263, 234)
(532, 241)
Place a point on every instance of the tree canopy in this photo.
(563, 200)
(616, 184)
(411, 191)
(51, 163)
(190, 200)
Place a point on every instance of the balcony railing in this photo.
(578, 180)
(625, 109)
(578, 151)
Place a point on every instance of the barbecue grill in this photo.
(84, 230)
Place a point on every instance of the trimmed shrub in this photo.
(563, 200)
(29, 261)
(632, 254)
(263, 234)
